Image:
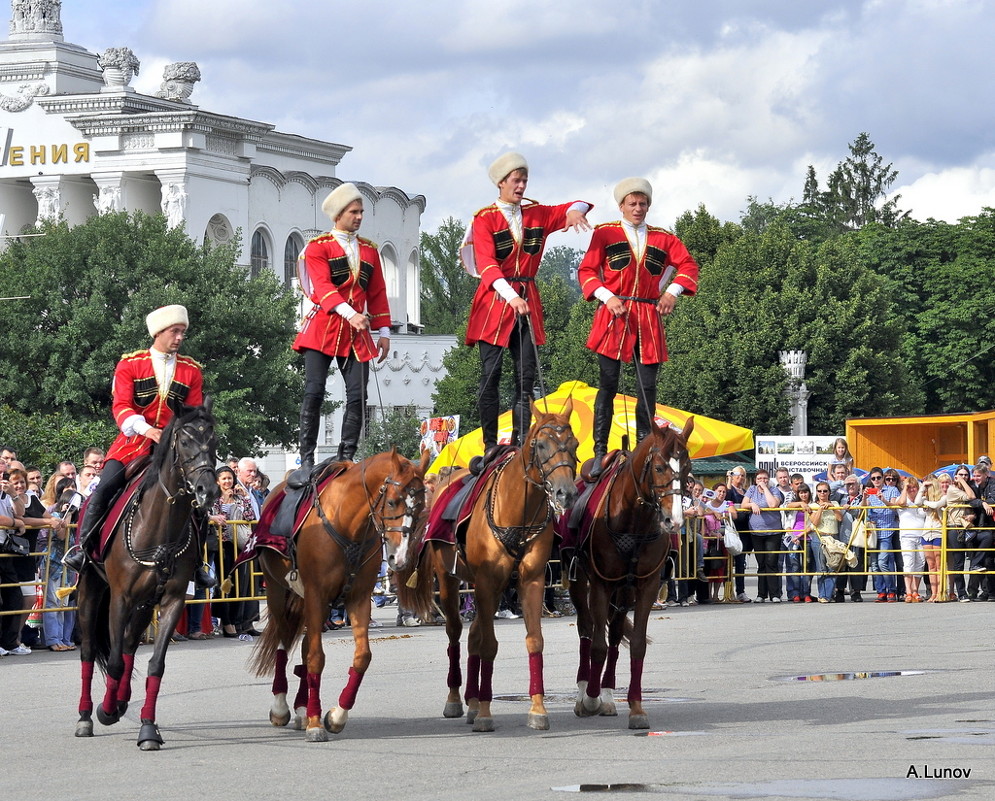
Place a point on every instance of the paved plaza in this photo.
(729, 717)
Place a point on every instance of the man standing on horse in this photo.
(507, 241)
(346, 279)
(637, 271)
(150, 385)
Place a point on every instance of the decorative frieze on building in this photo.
(23, 97)
(36, 20)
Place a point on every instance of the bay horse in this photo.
(149, 562)
(369, 506)
(511, 526)
(628, 538)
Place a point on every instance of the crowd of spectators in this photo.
(891, 525)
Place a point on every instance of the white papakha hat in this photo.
(338, 199)
(161, 319)
(504, 165)
(629, 185)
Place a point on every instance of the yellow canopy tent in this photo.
(710, 437)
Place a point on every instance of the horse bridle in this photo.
(569, 447)
(203, 457)
(379, 506)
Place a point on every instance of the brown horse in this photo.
(371, 504)
(511, 527)
(621, 561)
(149, 563)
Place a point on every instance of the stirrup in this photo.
(75, 558)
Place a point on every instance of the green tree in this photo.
(400, 428)
(446, 288)
(89, 290)
(562, 262)
(45, 440)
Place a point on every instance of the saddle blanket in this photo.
(574, 525)
(117, 511)
(262, 537)
(443, 522)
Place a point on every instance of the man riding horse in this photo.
(149, 385)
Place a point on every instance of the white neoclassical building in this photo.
(77, 140)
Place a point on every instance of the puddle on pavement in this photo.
(832, 789)
(976, 736)
(872, 674)
(620, 693)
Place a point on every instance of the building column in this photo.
(110, 190)
(47, 190)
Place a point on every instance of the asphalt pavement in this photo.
(901, 708)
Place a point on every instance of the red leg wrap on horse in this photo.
(280, 676)
(110, 695)
(486, 673)
(594, 682)
(348, 696)
(313, 695)
(584, 664)
(301, 698)
(535, 675)
(86, 691)
(124, 688)
(151, 696)
(472, 678)
(455, 678)
(636, 680)
(612, 661)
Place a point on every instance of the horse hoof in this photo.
(279, 718)
(335, 719)
(122, 707)
(316, 735)
(149, 738)
(539, 722)
(639, 721)
(483, 724)
(471, 715)
(300, 718)
(454, 709)
(588, 707)
(84, 727)
(608, 709)
(107, 719)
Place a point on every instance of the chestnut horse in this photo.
(371, 504)
(510, 527)
(621, 561)
(149, 562)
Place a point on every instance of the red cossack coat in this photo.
(610, 262)
(497, 255)
(136, 391)
(333, 283)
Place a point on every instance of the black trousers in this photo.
(355, 374)
(523, 365)
(609, 373)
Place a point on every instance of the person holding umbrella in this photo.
(637, 272)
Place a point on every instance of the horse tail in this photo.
(415, 587)
(282, 630)
(99, 613)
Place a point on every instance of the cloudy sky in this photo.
(712, 100)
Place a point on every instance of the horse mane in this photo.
(185, 415)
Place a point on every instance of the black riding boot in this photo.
(99, 503)
(310, 421)
(202, 577)
(603, 412)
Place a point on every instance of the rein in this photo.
(517, 538)
(357, 553)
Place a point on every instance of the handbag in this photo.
(14, 544)
(731, 538)
(836, 555)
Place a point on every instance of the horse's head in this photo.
(398, 506)
(550, 453)
(189, 447)
(674, 447)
